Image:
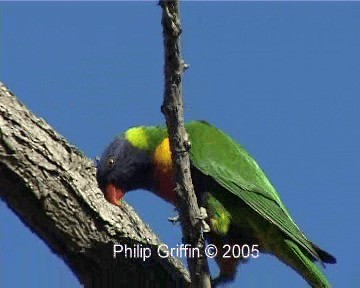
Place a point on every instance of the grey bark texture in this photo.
(52, 188)
(173, 110)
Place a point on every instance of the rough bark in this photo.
(172, 108)
(51, 186)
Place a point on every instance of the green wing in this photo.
(215, 154)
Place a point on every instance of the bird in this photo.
(241, 204)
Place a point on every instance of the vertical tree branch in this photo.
(173, 110)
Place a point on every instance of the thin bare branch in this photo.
(173, 110)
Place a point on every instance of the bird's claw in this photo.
(203, 214)
(202, 217)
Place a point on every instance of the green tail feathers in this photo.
(304, 265)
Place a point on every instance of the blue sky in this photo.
(281, 78)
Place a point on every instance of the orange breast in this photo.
(164, 176)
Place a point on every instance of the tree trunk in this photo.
(52, 187)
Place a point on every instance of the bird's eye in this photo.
(110, 162)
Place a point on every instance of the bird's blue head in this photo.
(122, 168)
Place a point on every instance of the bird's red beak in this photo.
(114, 194)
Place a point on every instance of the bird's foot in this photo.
(202, 217)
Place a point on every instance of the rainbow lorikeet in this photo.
(242, 206)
